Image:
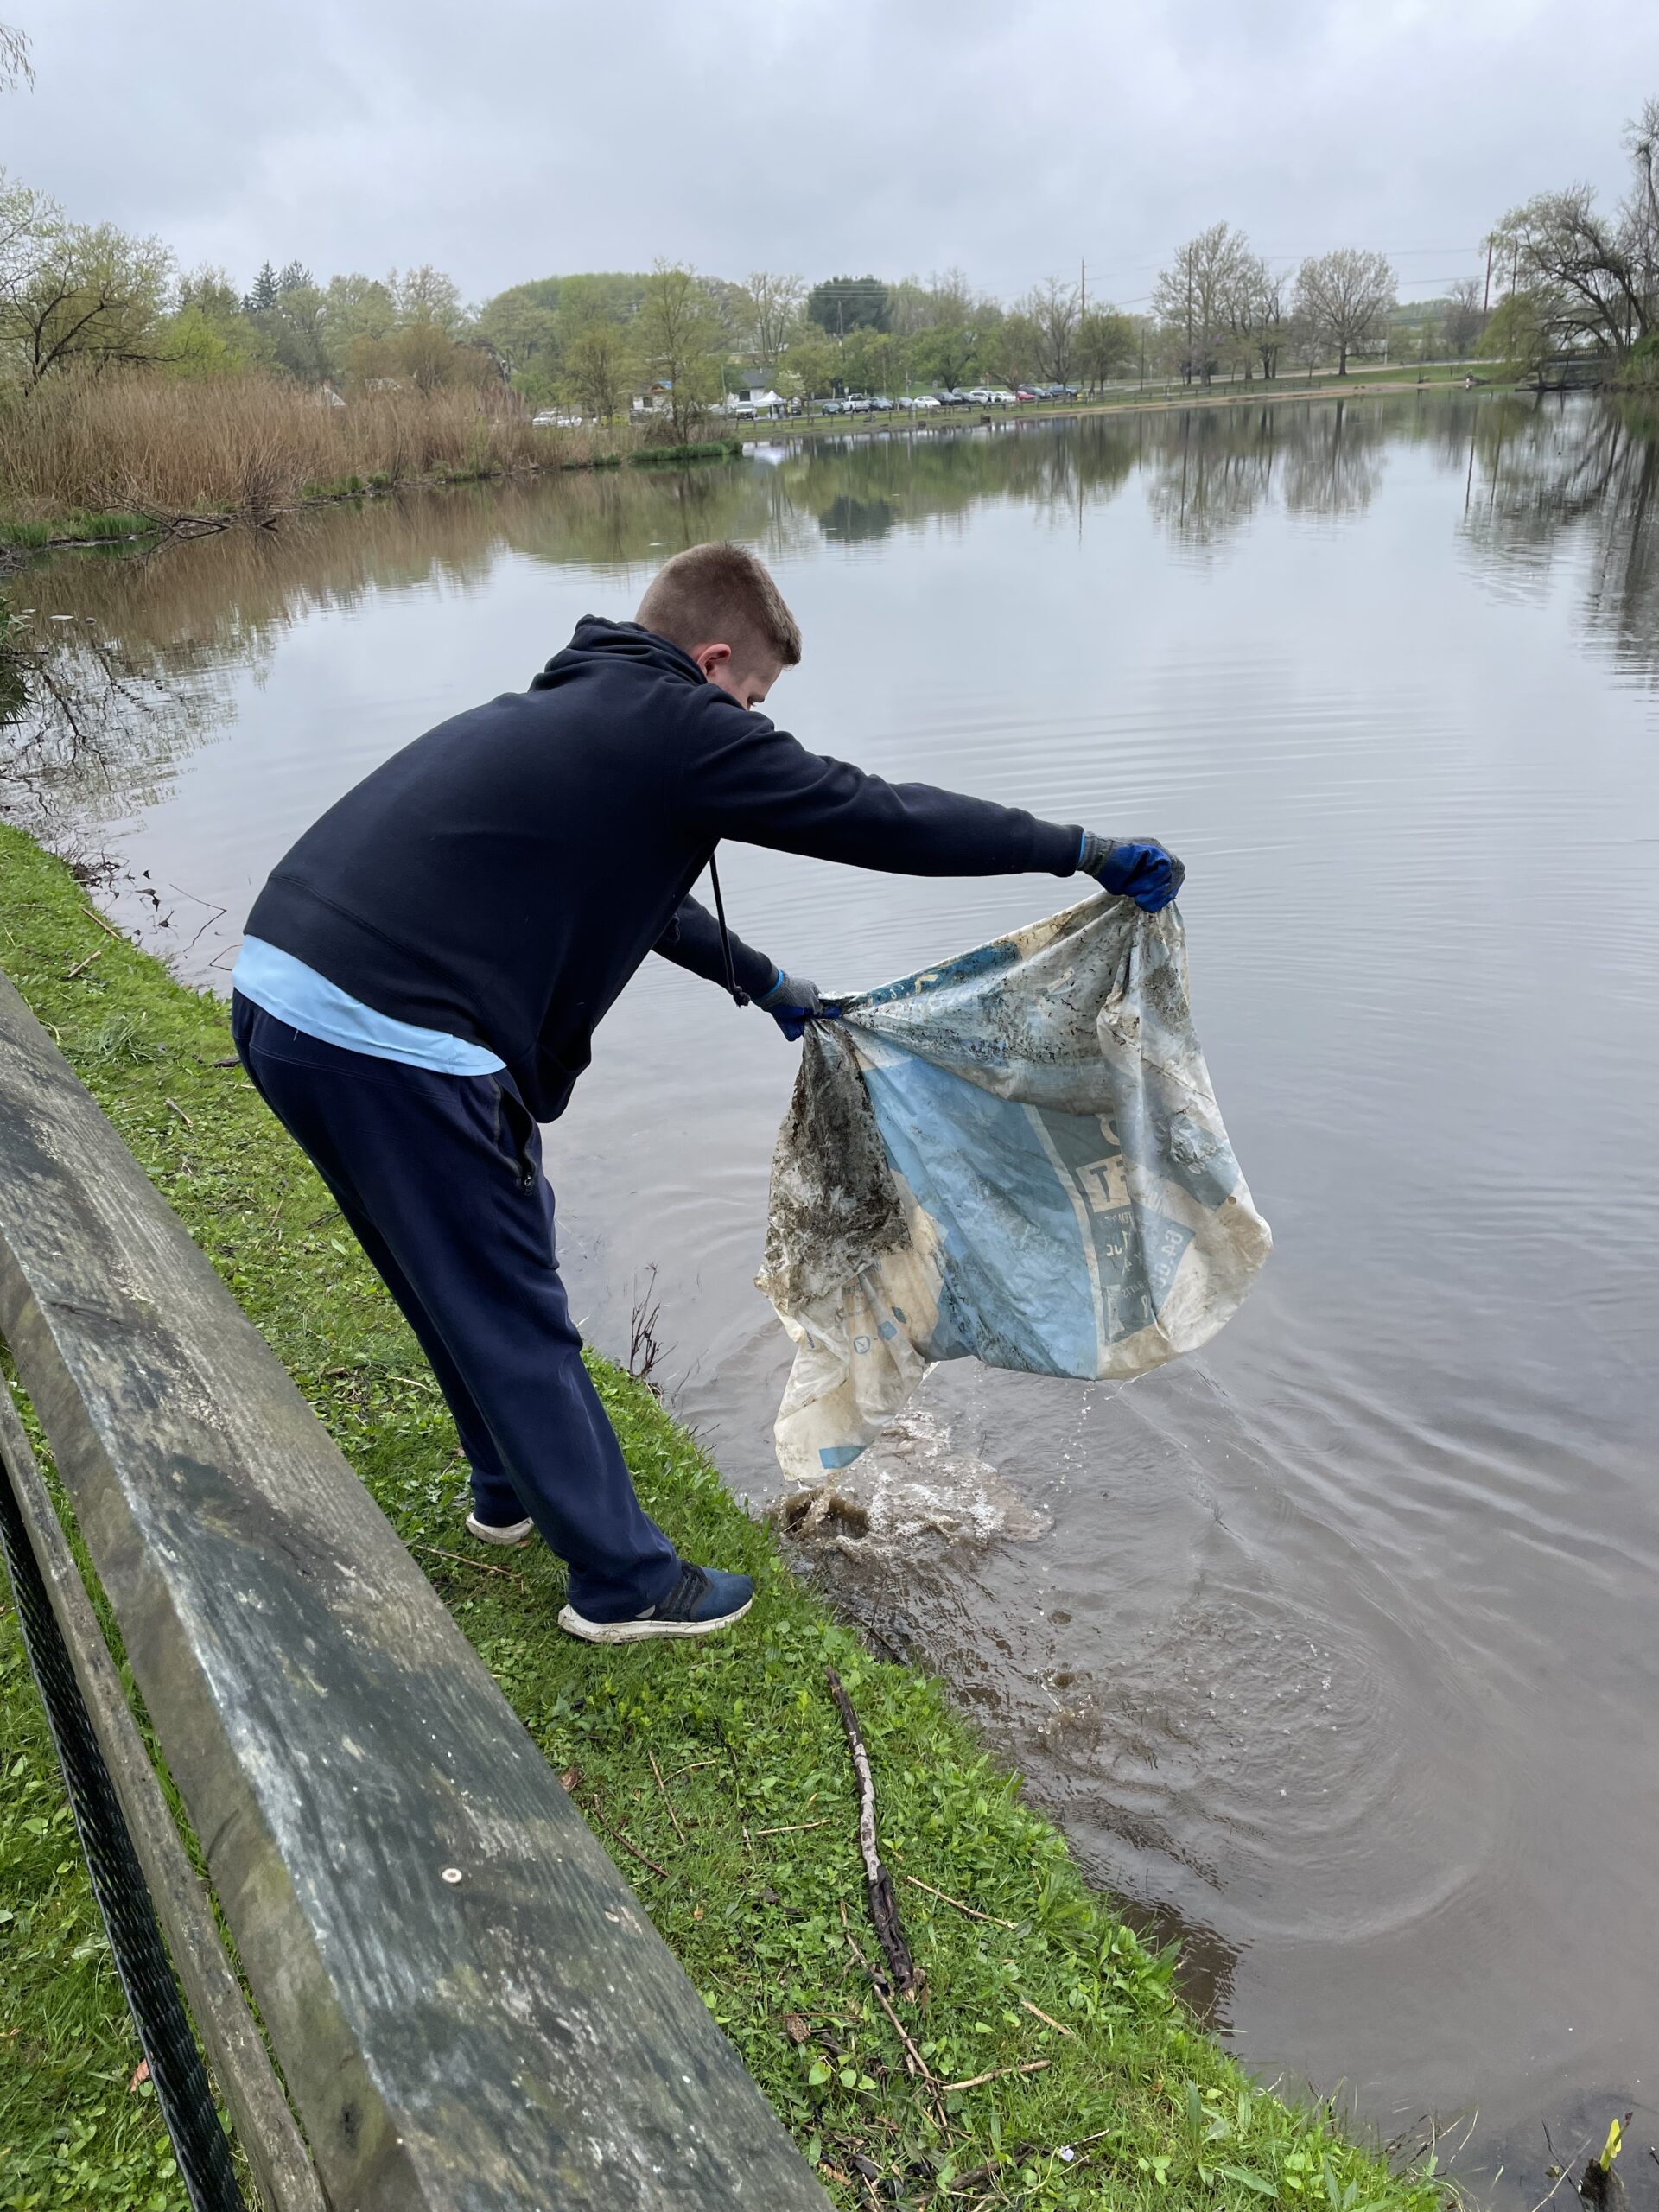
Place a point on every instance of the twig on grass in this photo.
(793, 1828)
(884, 1906)
(997, 2073)
(972, 1911)
(639, 1854)
(72, 973)
(667, 1800)
(109, 928)
(180, 1111)
(1038, 2013)
(477, 1566)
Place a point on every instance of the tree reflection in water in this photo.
(131, 659)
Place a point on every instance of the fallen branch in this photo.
(71, 973)
(640, 1855)
(1038, 2013)
(180, 1111)
(913, 2060)
(793, 1828)
(998, 2073)
(972, 1911)
(108, 927)
(477, 1566)
(884, 1906)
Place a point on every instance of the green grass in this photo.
(676, 456)
(757, 1849)
(74, 529)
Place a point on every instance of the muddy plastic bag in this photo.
(1015, 1157)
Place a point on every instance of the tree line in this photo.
(1561, 275)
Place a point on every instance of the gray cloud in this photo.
(514, 139)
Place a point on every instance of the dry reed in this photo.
(250, 446)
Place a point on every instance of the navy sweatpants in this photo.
(441, 1178)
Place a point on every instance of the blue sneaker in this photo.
(703, 1599)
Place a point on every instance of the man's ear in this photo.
(711, 659)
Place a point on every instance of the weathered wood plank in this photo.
(519, 2037)
(281, 2163)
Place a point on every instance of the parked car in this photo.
(927, 399)
(743, 411)
(555, 418)
(1023, 393)
(831, 407)
(856, 404)
(954, 399)
(880, 404)
(1000, 396)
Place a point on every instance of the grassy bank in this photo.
(717, 1775)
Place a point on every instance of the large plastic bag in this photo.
(1017, 1156)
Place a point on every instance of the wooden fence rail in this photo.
(467, 2004)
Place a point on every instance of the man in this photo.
(424, 972)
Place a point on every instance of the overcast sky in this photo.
(508, 139)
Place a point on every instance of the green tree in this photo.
(681, 343)
(524, 330)
(841, 304)
(810, 367)
(1522, 331)
(1594, 277)
(1106, 346)
(426, 295)
(1013, 350)
(353, 306)
(599, 368)
(945, 354)
(874, 361)
(74, 292)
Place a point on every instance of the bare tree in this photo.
(1464, 319)
(1345, 297)
(774, 307)
(1256, 314)
(1052, 308)
(1193, 296)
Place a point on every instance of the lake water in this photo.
(1335, 1649)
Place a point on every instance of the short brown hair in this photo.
(721, 593)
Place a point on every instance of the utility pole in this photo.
(1082, 291)
(1486, 296)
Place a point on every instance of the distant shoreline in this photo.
(1269, 389)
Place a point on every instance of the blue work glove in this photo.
(1132, 867)
(792, 1003)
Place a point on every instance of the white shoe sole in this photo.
(514, 1533)
(573, 1623)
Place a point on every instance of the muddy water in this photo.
(1336, 1648)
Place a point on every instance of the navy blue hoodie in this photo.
(501, 878)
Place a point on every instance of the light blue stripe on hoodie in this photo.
(292, 992)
